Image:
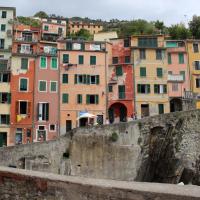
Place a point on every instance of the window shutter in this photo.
(85, 79)
(97, 99)
(143, 71)
(0, 97)
(88, 79)
(47, 112)
(97, 79)
(54, 63)
(119, 71)
(75, 78)
(165, 89)
(65, 78)
(65, 58)
(139, 88)
(17, 107)
(38, 112)
(24, 63)
(92, 60)
(43, 62)
(80, 59)
(65, 98)
(156, 89)
(29, 108)
(169, 58)
(87, 99)
(9, 97)
(159, 72)
(149, 88)
(183, 74)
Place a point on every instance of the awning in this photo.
(86, 115)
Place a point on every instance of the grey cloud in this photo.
(170, 11)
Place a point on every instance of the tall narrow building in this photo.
(7, 16)
(83, 83)
(121, 82)
(150, 69)
(22, 83)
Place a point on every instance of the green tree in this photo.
(179, 32)
(83, 33)
(28, 21)
(41, 14)
(194, 26)
(159, 26)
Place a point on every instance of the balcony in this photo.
(25, 50)
(175, 78)
(26, 39)
(48, 50)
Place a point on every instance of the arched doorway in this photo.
(117, 113)
(175, 105)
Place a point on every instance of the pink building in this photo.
(46, 103)
(178, 73)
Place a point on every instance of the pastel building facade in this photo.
(178, 73)
(24, 53)
(7, 16)
(121, 82)
(46, 93)
(150, 70)
(75, 26)
(83, 83)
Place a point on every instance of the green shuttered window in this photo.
(43, 62)
(24, 63)
(159, 72)
(54, 63)
(181, 58)
(80, 60)
(169, 58)
(23, 84)
(92, 60)
(119, 70)
(65, 98)
(65, 78)
(143, 71)
(65, 58)
(160, 108)
(79, 98)
(121, 91)
(42, 86)
(53, 86)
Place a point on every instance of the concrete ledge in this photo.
(30, 184)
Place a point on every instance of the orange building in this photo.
(83, 83)
(22, 83)
(75, 26)
(120, 82)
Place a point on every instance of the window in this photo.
(5, 119)
(170, 72)
(18, 136)
(159, 72)
(158, 54)
(198, 83)
(23, 108)
(23, 85)
(169, 58)
(115, 60)
(142, 54)
(42, 86)
(5, 97)
(160, 89)
(147, 42)
(92, 99)
(181, 58)
(65, 58)
(92, 60)
(143, 71)
(94, 79)
(54, 63)
(80, 60)
(197, 65)
(195, 47)
(5, 77)
(43, 111)
(65, 98)
(119, 70)
(4, 14)
(79, 98)
(46, 28)
(3, 27)
(160, 109)
(52, 127)
(127, 59)
(143, 88)
(53, 86)
(86, 79)
(2, 42)
(24, 63)
(121, 92)
(127, 42)
(3, 64)
(43, 62)
(110, 88)
(60, 31)
(65, 78)
(183, 74)
(174, 87)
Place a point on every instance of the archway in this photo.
(117, 113)
(175, 105)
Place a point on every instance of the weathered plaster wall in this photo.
(20, 184)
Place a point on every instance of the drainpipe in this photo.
(106, 82)
(134, 87)
(33, 103)
(59, 107)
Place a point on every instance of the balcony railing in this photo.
(24, 51)
(48, 50)
(175, 78)
(26, 39)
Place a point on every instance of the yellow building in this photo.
(7, 15)
(193, 49)
(75, 26)
(150, 70)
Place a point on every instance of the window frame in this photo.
(39, 85)
(56, 87)
(54, 129)
(27, 64)
(41, 62)
(52, 63)
(26, 85)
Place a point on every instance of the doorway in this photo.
(3, 139)
(144, 110)
(68, 125)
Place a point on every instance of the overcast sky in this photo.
(169, 11)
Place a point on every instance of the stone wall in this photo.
(164, 148)
(22, 185)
